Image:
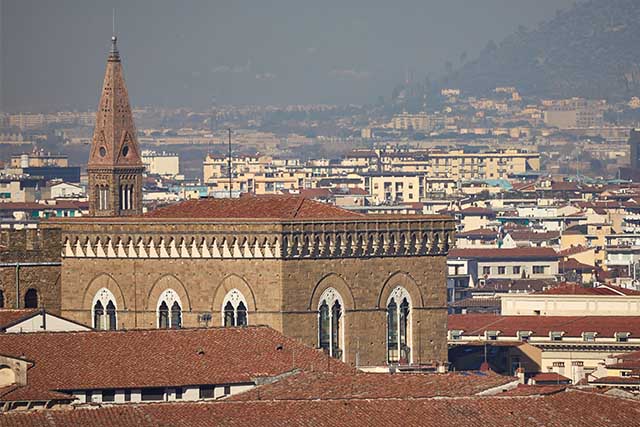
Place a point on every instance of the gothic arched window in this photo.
(234, 309)
(169, 310)
(399, 326)
(31, 298)
(104, 319)
(330, 330)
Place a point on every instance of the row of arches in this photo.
(168, 311)
(331, 325)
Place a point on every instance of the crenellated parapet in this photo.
(359, 238)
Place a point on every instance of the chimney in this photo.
(520, 375)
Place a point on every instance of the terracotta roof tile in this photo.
(29, 393)
(276, 207)
(154, 358)
(575, 408)
(535, 390)
(322, 385)
(550, 377)
(573, 326)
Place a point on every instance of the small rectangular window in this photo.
(127, 395)
(88, 396)
(178, 393)
(622, 337)
(207, 391)
(589, 336)
(486, 270)
(538, 269)
(556, 336)
(152, 394)
(516, 269)
(227, 390)
(502, 269)
(524, 335)
(108, 395)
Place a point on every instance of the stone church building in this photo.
(370, 290)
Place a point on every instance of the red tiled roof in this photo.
(473, 210)
(574, 250)
(577, 289)
(575, 408)
(504, 254)
(322, 385)
(14, 393)
(546, 377)
(527, 235)
(11, 316)
(573, 264)
(480, 232)
(312, 193)
(276, 207)
(617, 380)
(155, 358)
(573, 326)
(534, 390)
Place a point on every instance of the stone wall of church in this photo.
(364, 284)
(281, 269)
(31, 254)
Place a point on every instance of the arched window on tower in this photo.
(104, 319)
(234, 309)
(31, 298)
(330, 323)
(169, 310)
(399, 327)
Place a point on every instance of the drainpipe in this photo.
(17, 285)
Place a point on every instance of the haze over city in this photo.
(191, 52)
(296, 213)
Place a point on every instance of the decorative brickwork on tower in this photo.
(115, 166)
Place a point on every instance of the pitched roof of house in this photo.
(577, 289)
(267, 207)
(15, 393)
(323, 385)
(534, 253)
(155, 358)
(579, 409)
(573, 326)
(10, 316)
(546, 377)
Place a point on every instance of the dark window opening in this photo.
(229, 316)
(163, 313)
(207, 391)
(108, 395)
(127, 395)
(149, 394)
(242, 314)
(31, 299)
(111, 316)
(176, 315)
(98, 315)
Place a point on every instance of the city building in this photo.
(310, 270)
(161, 163)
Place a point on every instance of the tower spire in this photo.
(115, 164)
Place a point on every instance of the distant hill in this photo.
(591, 50)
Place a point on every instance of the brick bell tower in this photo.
(115, 165)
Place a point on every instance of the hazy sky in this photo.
(188, 52)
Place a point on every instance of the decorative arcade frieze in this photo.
(293, 240)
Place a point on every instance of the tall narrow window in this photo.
(1, 299)
(229, 315)
(169, 310)
(330, 337)
(234, 309)
(176, 315)
(98, 315)
(31, 299)
(104, 310)
(111, 316)
(163, 316)
(325, 328)
(399, 327)
(242, 315)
